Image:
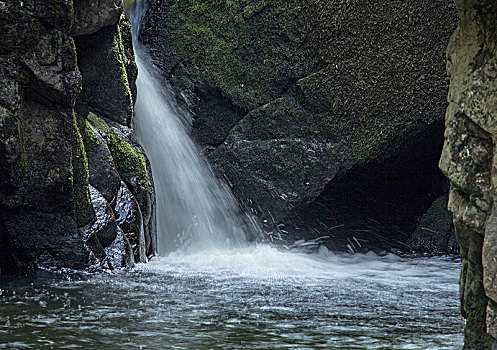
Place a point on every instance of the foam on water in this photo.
(263, 262)
(247, 298)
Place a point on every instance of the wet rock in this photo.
(92, 15)
(129, 218)
(103, 174)
(49, 154)
(135, 170)
(435, 232)
(114, 154)
(57, 242)
(53, 73)
(468, 161)
(291, 100)
(105, 224)
(262, 152)
(120, 253)
(102, 62)
(105, 238)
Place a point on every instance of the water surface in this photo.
(250, 298)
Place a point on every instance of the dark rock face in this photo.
(435, 232)
(101, 52)
(64, 154)
(91, 16)
(468, 159)
(300, 103)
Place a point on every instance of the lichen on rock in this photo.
(468, 161)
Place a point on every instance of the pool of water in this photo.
(251, 298)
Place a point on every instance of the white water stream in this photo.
(195, 211)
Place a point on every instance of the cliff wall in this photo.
(469, 160)
(75, 187)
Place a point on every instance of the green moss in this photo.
(88, 136)
(124, 61)
(82, 204)
(128, 56)
(129, 162)
(254, 9)
(98, 122)
(217, 37)
(364, 93)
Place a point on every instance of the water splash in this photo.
(194, 210)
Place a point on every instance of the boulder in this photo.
(106, 89)
(311, 111)
(92, 15)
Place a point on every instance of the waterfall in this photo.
(195, 211)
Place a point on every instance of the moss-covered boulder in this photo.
(299, 102)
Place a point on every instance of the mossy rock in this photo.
(128, 55)
(103, 63)
(364, 81)
(103, 174)
(83, 208)
(49, 154)
(130, 162)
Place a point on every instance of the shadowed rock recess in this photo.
(75, 187)
(326, 117)
(469, 160)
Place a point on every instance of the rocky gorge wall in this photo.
(76, 189)
(469, 161)
(325, 117)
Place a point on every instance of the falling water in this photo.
(195, 211)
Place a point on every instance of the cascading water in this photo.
(194, 210)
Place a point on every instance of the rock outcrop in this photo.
(75, 187)
(469, 161)
(323, 116)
